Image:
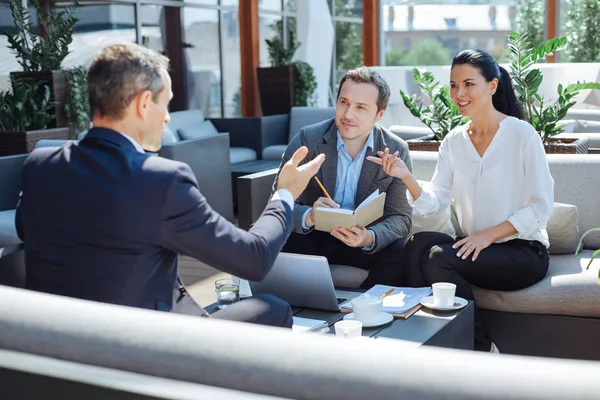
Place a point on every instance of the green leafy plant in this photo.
(25, 107)
(545, 116)
(442, 115)
(583, 30)
(77, 107)
(280, 55)
(595, 254)
(530, 17)
(33, 52)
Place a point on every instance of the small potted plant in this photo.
(25, 116)
(286, 83)
(41, 57)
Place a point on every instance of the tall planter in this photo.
(24, 142)
(57, 82)
(277, 87)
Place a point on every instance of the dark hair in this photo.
(505, 99)
(121, 72)
(368, 75)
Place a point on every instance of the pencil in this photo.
(386, 293)
(322, 187)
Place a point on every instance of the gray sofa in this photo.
(86, 349)
(559, 316)
(288, 125)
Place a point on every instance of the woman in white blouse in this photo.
(495, 169)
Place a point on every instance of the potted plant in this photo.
(544, 116)
(40, 57)
(24, 117)
(441, 116)
(77, 107)
(285, 83)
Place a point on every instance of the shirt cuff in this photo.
(374, 241)
(304, 216)
(285, 196)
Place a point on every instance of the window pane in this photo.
(152, 32)
(348, 47)
(270, 5)
(266, 30)
(232, 75)
(431, 34)
(210, 2)
(230, 3)
(291, 5)
(203, 60)
(348, 8)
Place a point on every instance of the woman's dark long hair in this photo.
(505, 99)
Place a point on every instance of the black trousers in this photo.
(263, 309)
(385, 267)
(508, 266)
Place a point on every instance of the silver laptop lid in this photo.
(301, 280)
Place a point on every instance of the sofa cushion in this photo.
(347, 276)
(411, 132)
(185, 119)
(304, 116)
(8, 231)
(273, 153)
(568, 289)
(563, 229)
(241, 154)
(169, 136)
(199, 130)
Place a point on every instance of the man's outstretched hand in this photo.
(295, 178)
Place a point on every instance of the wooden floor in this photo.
(200, 279)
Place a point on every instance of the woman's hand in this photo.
(392, 165)
(473, 244)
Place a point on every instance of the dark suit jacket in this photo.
(321, 138)
(104, 222)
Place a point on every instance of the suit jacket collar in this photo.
(329, 168)
(111, 136)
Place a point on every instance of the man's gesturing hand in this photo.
(295, 178)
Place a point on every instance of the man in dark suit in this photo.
(102, 220)
(346, 141)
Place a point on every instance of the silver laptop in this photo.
(301, 280)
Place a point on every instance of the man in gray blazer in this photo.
(103, 220)
(346, 141)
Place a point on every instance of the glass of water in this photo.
(228, 292)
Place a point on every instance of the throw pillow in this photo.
(205, 128)
(563, 229)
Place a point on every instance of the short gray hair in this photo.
(121, 72)
(368, 75)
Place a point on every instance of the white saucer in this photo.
(382, 319)
(459, 303)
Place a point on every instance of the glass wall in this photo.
(431, 32)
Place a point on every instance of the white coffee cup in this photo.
(367, 308)
(348, 329)
(443, 294)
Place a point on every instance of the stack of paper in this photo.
(402, 302)
(300, 324)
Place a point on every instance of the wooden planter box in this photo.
(57, 81)
(24, 142)
(277, 87)
(568, 146)
(556, 146)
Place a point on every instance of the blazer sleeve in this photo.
(191, 227)
(397, 219)
(299, 209)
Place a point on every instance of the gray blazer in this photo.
(322, 138)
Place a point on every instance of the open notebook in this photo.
(371, 209)
(401, 303)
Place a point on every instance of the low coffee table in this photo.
(453, 329)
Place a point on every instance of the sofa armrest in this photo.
(10, 180)
(254, 191)
(208, 157)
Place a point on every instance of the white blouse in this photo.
(511, 182)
